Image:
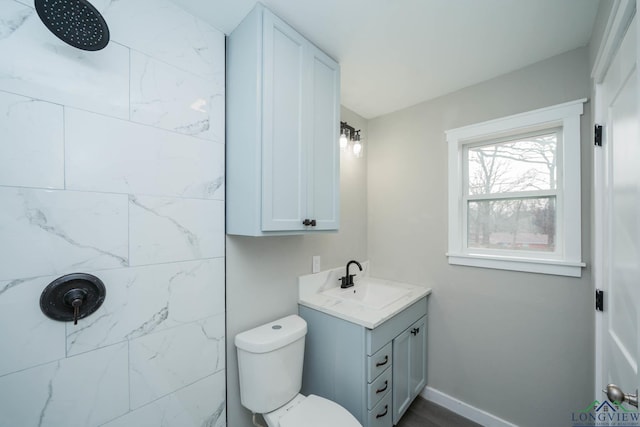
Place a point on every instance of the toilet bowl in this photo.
(311, 411)
(270, 361)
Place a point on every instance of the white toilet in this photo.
(270, 359)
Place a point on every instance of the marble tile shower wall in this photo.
(112, 163)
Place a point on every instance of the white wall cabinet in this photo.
(283, 115)
(374, 373)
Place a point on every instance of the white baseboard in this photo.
(464, 409)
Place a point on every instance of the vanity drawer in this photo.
(378, 388)
(380, 415)
(380, 361)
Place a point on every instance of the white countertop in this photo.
(312, 286)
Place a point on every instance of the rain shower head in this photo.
(75, 22)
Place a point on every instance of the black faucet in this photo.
(347, 281)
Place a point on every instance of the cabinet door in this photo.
(409, 366)
(401, 368)
(284, 155)
(323, 132)
(418, 370)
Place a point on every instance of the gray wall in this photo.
(262, 272)
(517, 345)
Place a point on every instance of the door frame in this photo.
(622, 12)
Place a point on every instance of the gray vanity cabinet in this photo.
(373, 373)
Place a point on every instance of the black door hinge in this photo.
(599, 300)
(597, 135)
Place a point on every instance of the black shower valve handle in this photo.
(76, 310)
(72, 297)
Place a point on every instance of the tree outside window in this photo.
(511, 193)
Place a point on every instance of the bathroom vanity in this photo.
(366, 346)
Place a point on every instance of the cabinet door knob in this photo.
(313, 222)
(306, 222)
(386, 359)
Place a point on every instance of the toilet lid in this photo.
(315, 411)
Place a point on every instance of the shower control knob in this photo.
(72, 297)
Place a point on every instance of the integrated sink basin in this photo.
(369, 303)
(368, 294)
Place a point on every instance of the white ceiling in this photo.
(397, 53)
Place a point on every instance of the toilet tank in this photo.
(270, 359)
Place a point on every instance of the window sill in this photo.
(543, 266)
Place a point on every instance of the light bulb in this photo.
(357, 148)
(343, 141)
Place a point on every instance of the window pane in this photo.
(515, 224)
(525, 164)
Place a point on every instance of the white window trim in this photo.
(568, 260)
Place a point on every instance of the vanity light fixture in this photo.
(344, 136)
(357, 145)
(350, 139)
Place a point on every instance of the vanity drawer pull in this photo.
(386, 386)
(386, 360)
(386, 411)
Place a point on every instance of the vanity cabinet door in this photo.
(409, 366)
(418, 371)
(401, 372)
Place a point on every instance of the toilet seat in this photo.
(311, 411)
(315, 411)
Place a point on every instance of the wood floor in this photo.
(423, 413)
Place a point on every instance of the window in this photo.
(511, 193)
(514, 192)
